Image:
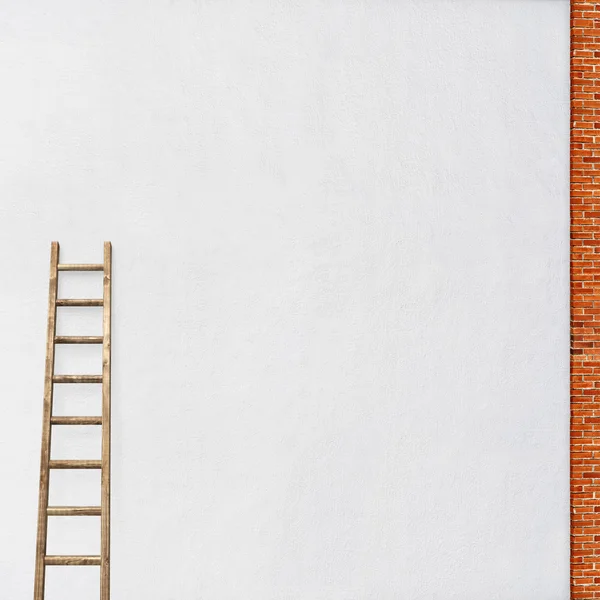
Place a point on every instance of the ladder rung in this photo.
(80, 561)
(77, 379)
(78, 339)
(76, 420)
(75, 464)
(74, 511)
(88, 267)
(80, 302)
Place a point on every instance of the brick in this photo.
(585, 299)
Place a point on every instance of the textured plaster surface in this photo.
(340, 236)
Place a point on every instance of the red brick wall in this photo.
(585, 299)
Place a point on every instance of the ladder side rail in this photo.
(106, 402)
(42, 530)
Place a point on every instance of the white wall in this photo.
(340, 236)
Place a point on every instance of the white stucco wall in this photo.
(340, 236)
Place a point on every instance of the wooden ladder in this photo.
(46, 463)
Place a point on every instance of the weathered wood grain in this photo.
(73, 511)
(78, 339)
(79, 302)
(75, 464)
(76, 561)
(76, 420)
(77, 378)
(80, 267)
(106, 402)
(42, 528)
